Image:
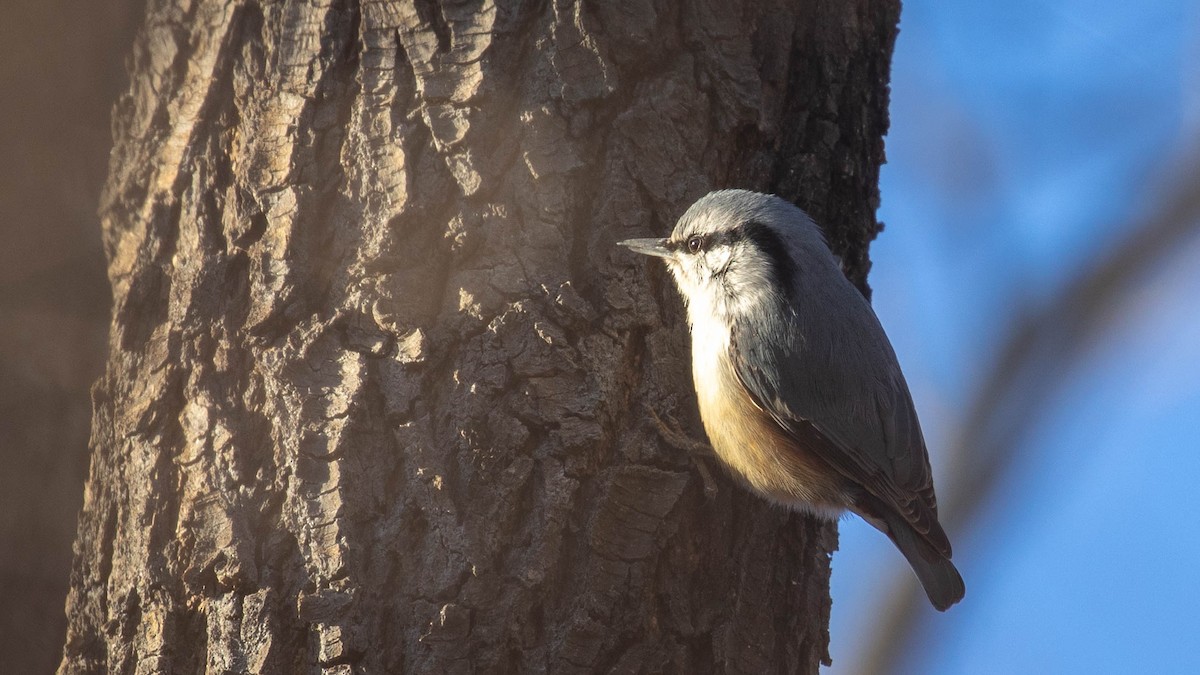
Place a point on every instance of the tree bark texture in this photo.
(378, 385)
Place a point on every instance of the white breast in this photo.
(710, 346)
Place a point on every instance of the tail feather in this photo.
(941, 580)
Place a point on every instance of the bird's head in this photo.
(734, 250)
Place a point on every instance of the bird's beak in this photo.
(654, 247)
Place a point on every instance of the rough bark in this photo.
(377, 385)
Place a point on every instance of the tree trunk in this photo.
(378, 385)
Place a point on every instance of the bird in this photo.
(799, 389)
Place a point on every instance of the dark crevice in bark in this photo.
(430, 12)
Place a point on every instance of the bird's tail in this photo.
(943, 584)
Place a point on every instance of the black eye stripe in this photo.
(772, 246)
(696, 243)
(762, 237)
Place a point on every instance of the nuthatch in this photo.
(799, 389)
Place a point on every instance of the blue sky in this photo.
(1026, 137)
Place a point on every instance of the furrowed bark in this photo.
(377, 389)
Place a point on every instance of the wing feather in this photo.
(846, 401)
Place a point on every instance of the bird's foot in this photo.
(677, 438)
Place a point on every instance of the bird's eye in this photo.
(695, 244)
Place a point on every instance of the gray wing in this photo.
(831, 380)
